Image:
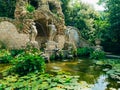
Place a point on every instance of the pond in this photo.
(89, 74)
(87, 71)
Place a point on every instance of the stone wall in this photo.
(42, 16)
(43, 11)
(10, 38)
(15, 33)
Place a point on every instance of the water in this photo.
(84, 68)
(87, 71)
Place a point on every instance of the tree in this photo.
(101, 26)
(82, 16)
(7, 8)
(112, 42)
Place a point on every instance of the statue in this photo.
(53, 30)
(33, 32)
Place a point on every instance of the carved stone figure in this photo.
(53, 31)
(43, 15)
(33, 32)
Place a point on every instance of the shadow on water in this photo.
(86, 70)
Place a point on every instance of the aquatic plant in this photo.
(111, 67)
(38, 81)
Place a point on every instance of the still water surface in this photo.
(87, 71)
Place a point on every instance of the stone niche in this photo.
(10, 37)
(46, 12)
(43, 33)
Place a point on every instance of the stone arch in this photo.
(43, 32)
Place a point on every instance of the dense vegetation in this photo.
(103, 24)
(28, 65)
(7, 8)
(23, 61)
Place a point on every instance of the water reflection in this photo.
(101, 83)
(87, 71)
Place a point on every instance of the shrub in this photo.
(30, 8)
(52, 57)
(97, 55)
(28, 61)
(15, 52)
(84, 52)
(5, 56)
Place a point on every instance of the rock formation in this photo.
(10, 38)
(49, 26)
(73, 38)
(46, 12)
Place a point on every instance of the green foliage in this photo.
(20, 26)
(81, 16)
(7, 8)
(101, 26)
(38, 81)
(114, 14)
(112, 41)
(15, 52)
(5, 56)
(84, 52)
(1, 87)
(111, 67)
(30, 8)
(29, 61)
(52, 57)
(97, 55)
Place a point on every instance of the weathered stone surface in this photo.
(46, 13)
(73, 37)
(60, 39)
(43, 16)
(43, 11)
(10, 37)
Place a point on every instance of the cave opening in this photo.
(43, 33)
